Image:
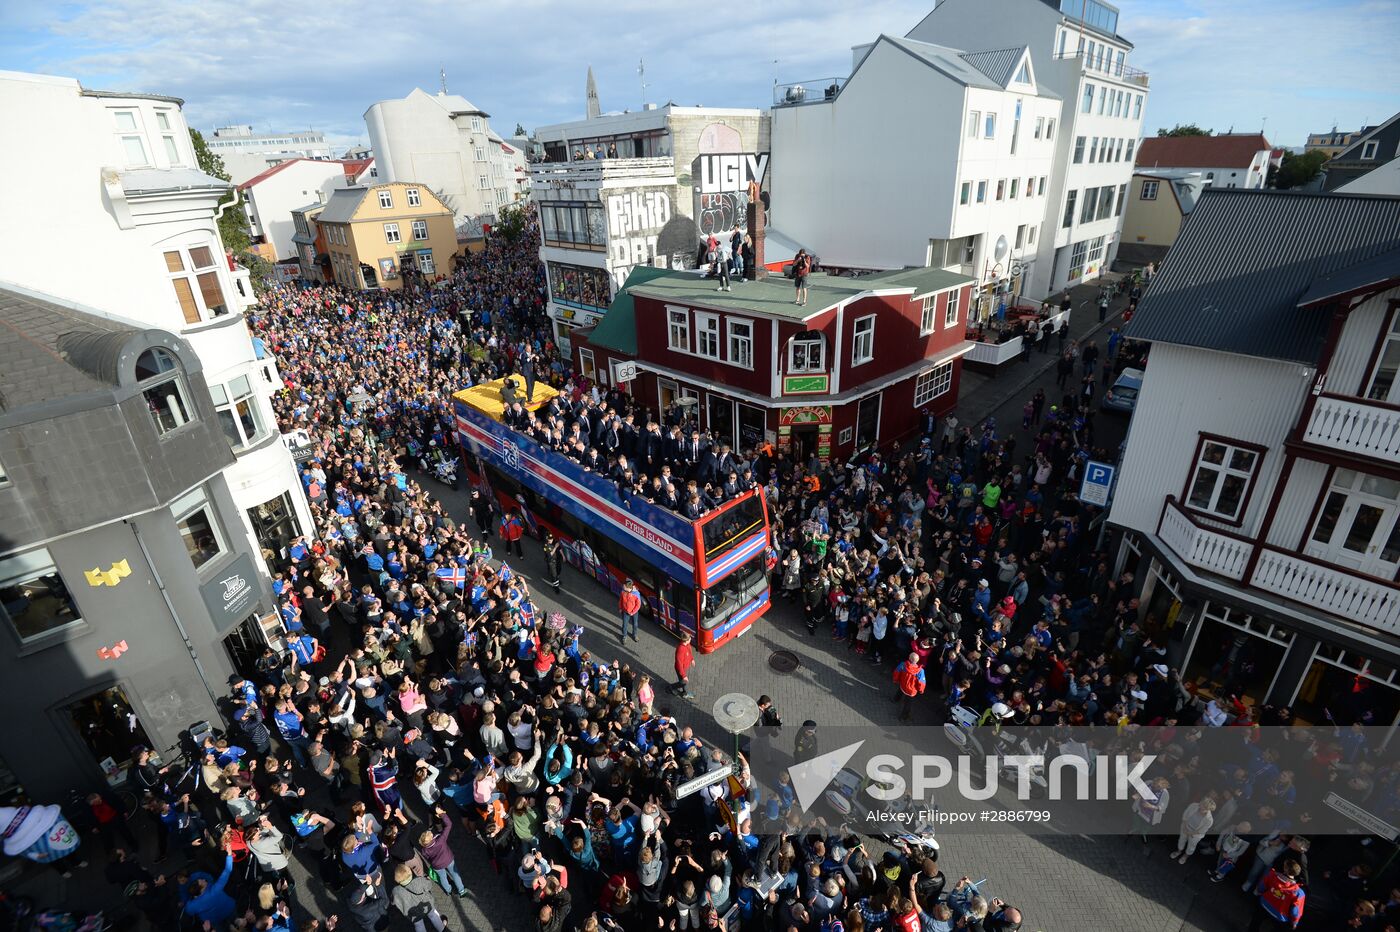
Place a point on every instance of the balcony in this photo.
(1202, 547)
(1124, 73)
(1363, 599)
(819, 90)
(1355, 426)
(581, 171)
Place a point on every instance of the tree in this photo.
(1186, 129)
(512, 222)
(1296, 170)
(233, 225)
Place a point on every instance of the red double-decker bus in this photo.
(708, 577)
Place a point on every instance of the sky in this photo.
(1287, 66)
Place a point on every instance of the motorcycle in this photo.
(445, 471)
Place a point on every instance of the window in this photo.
(1076, 259)
(863, 340)
(981, 192)
(678, 330)
(159, 377)
(172, 151)
(237, 409)
(480, 153)
(1368, 149)
(1030, 235)
(420, 229)
(1039, 127)
(965, 193)
(1122, 198)
(195, 519)
(1105, 202)
(1128, 152)
(1030, 187)
(413, 198)
(1023, 74)
(1384, 384)
(195, 278)
(1015, 187)
(483, 182)
(974, 122)
(386, 198)
(933, 383)
(741, 343)
(807, 353)
(1050, 128)
(586, 366)
(1069, 209)
(578, 225)
(1078, 149)
(476, 124)
(580, 286)
(707, 334)
(1137, 106)
(1091, 204)
(1040, 187)
(991, 126)
(1095, 248)
(425, 262)
(391, 232)
(1103, 98)
(132, 141)
(928, 309)
(1020, 236)
(1087, 104)
(1118, 70)
(1001, 189)
(1093, 150)
(34, 596)
(1220, 481)
(1149, 190)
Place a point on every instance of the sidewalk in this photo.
(982, 393)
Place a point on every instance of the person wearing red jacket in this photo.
(1281, 898)
(630, 605)
(909, 681)
(685, 659)
(512, 529)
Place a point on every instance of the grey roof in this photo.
(1376, 272)
(1244, 261)
(48, 351)
(995, 63)
(135, 95)
(151, 180)
(342, 205)
(1353, 151)
(946, 61)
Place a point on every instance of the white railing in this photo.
(577, 170)
(994, 354)
(1353, 425)
(1370, 602)
(1201, 547)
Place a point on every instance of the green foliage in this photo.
(1186, 129)
(512, 222)
(1297, 170)
(233, 225)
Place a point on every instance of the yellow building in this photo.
(377, 235)
(1158, 202)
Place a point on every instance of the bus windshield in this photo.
(724, 530)
(735, 591)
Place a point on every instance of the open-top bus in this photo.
(708, 577)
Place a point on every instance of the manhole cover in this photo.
(783, 661)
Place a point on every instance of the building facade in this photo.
(270, 197)
(1158, 203)
(1259, 490)
(618, 190)
(128, 589)
(1331, 144)
(850, 370)
(122, 181)
(376, 235)
(1080, 57)
(446, 143)
(1378, 146)
(986, 136)
(1228, 160)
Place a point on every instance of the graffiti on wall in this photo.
(722, 185)
(640, 223)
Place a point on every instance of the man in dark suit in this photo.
(707, 467)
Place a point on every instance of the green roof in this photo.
(618, 328)
(922, 280)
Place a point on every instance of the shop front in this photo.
(805, 431)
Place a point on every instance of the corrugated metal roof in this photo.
(995, 63)
(342, 205)
(1244, 260)
(1373, 273)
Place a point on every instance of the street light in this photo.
(736, 713)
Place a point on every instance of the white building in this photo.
(1259, 490)
(241, 140)
(270, 197)
(1227, 160)
(137, 222)
(1085, 62)
(446, 142)
(618, 190)
(985, 132)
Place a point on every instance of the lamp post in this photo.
(736, 713)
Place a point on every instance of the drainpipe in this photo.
(179, 625)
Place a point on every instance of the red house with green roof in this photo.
(850, 369)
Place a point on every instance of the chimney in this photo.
(756, 271)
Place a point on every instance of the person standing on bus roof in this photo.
(685, 659)
(630, 605)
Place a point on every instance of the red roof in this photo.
(269, 172)
(1233, 151)
(353, 167)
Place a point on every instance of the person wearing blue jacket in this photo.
(558, 763)
(208, 900)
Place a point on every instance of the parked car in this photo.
(1122, 397)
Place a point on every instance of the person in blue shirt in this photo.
(208, 900)
(622, 826)
(303, 647)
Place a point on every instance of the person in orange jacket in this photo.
(1281, 898)
(685, 659)
(630, 605)
(909, 681)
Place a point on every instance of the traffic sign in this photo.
(706, 779)
(1098, 480)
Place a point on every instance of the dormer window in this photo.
(807, 353)
(160, 378)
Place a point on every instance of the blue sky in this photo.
(1285, 65)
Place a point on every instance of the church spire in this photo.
(594, 110)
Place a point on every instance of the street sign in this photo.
(1372, 823)
(1098, 480)
(691, 787)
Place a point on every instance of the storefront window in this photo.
(34, 596)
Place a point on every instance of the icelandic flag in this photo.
(664, 613)
(505, 573)
(527, 613)
(457, 575)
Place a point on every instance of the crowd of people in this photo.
(427, 703)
